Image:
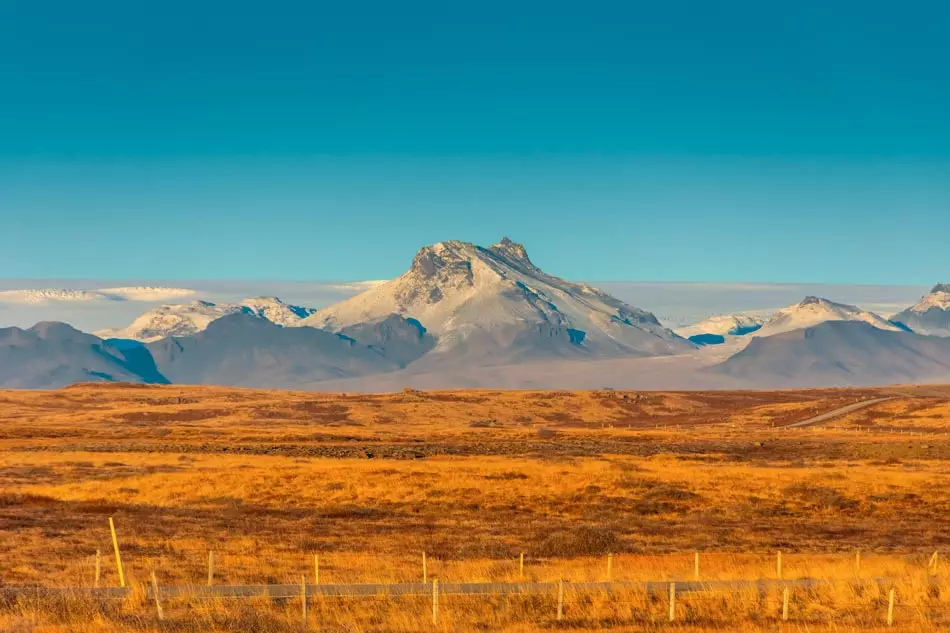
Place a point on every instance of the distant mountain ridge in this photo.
(461, 309)
(243, 349)
(50, 355)
(187, 319)
(839, 353)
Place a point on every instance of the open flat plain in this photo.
(267, 479)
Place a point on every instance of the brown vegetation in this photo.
(266, 479)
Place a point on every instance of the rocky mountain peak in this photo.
(493, 303)
(512, 251)
(940, 289)
(811, 300)
(444, 259)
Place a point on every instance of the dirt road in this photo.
(837, 413)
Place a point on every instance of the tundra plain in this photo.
(268, 479)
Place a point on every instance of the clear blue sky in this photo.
(805, 141)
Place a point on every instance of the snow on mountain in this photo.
(815, 310)
(724, 325)
(186, 319)
(276, 311)
(930, 315)
(34, 296)
(173, 320)
(496, 304)
(839, 353)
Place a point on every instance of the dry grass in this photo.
(265, 479)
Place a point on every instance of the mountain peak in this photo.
(512, 251)
(444, 259)
(492, 302)
(930, 315)
(814, 310)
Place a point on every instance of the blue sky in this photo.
(619, 141)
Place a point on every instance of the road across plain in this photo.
(837, 413)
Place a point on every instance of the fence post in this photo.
(425, 570)
(672, 601)
(521, 565)
(98, 567)
(890, 608)
(303, 598)
(435, 601)
(118, 557)
(785, 605)
(778, 564)
(610, 567)
(158, 604)
(210, 568)
(316, 569)
(560, 599)
(696, 565)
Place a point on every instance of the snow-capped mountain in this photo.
(495, 304)
(276, 311)
(815, 310)
(724, 325)
(34, 296)
(839, 353)
(931, 315)
(186, 319)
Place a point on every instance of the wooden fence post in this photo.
(118, 557)
(98, 567)
(696, 565)
(610, 567)
(425, 570)
(778, 564)
(785, 605)
(435, 601)
(210, 568)
(890, 608)
(158, 604)
(672, 601)
(303, 598)
(316, 569)
(521, 565)
(560, 599)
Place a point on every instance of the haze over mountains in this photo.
(465, 315)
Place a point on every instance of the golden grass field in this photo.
(267, 479)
